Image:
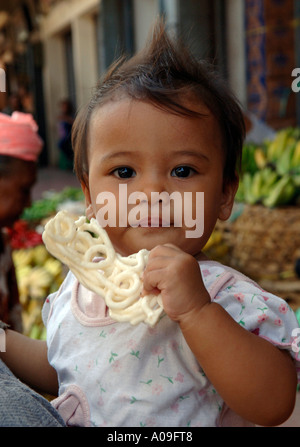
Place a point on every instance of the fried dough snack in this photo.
(116, 278)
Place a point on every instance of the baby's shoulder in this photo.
(255, 309)
(218, 277)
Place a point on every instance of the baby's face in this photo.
(138, 151)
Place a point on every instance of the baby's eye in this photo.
(124, 172)
(182, 171)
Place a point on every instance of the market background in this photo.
(52, 50)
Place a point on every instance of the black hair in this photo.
(165, 73)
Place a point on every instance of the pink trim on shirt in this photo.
(88, 308)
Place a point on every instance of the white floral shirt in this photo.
(114, 374)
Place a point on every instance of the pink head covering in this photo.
(18, 136)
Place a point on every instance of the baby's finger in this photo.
(164, 250)
(151, 281)
(157, 263)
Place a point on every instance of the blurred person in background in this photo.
(26, 99)
(64, 123)
(14, 104)
(20, 147)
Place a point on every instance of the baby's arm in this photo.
(27, 359)
(255, 379)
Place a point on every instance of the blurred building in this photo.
(56, 49)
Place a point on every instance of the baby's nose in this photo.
(153, 185)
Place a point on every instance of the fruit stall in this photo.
(262, 237)
(38, 273)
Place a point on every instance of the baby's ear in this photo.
(229, 191)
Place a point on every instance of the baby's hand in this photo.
(177, 276)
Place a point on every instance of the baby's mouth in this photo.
(154, 222)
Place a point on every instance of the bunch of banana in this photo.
(38, 274)
(260, 158)
(282, 192)
(33, 283)
(267, 187)
(289, 160)
(276, 147)
(54, 268)
(22, 257)
(284, 151)
(39, 255)
(250, 158)
(275, 179)
(32, 320)
(216, 247)
(295, 158)
(38, 282)
(254, 189)
(215, 239)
